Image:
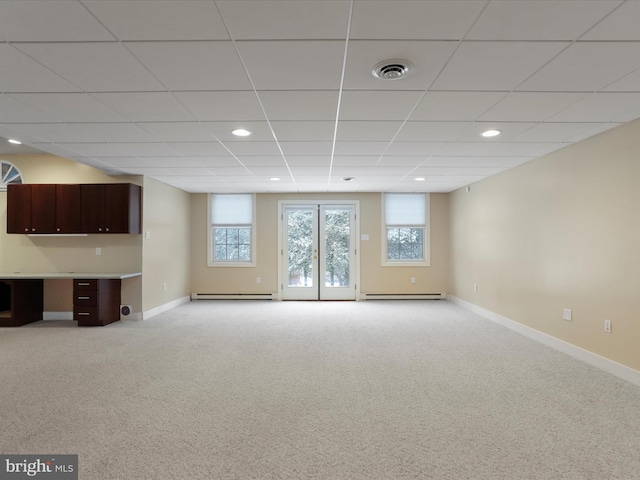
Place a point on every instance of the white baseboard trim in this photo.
(609, 366)
(57, 315)
(146, 315)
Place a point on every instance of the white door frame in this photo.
(355, 272)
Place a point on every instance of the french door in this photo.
(318, 253)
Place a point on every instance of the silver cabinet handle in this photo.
(86, 314)
(83, 298)
(83, 284)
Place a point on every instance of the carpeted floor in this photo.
(307, 390)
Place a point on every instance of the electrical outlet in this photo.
(258, 280)
(475, 288)
(98, 251)
(413, 279)
(566, 314)
(607, 326)
(164, 285)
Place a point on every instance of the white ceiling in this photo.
(154, 87)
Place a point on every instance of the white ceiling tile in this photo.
(165, 20)
(253, 148)
(362, 131)
(70, 107)
(531, 106)
(19, 73)
(13, 110)
(427, 57)
(414, 148)
(300, 105)
(199, 149)
(622, 24)
(112, 132)
(127, 162)
(49, 132)
(378, 105)
(262, 160)
(93, 67)
(431, 131)
(295, 65)
(304, 131)
(602, 127)
(361, 148)
(475, 162)
(628, 83)
(306, 148)
(403, 161)
(407, 19)
(177, 131)
(586, 66)
(192, 161)
(145, 149)
(309, 161)
(273, 19)
(94, 149)
(355, 160)
(145, 106)
(455, 106)
(49, 20)
(602, 107)
(466, 149)
(525, 149)
(222, 106)
(495, 66)
(426, 171)
(193, 65)
(539, 20)
(557, 132)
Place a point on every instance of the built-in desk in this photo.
(96, 297)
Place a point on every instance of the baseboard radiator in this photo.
(403, 296)
(233, 296)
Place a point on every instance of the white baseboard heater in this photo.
(403, 296)
(233, 296)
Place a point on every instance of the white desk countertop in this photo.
(64, 275)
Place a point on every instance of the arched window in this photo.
(10, 174)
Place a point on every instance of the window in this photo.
(405, 224)
(232, 237)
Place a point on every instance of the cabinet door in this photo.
(19, 208)
(92, 203)
(68, 209)
(122, 208)
(43, 208)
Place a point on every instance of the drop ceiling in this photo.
(155, 88)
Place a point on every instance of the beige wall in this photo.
(559, 232)
(20, 253)
(373, 277)
(165, 254)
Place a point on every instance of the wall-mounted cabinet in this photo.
(68, 209)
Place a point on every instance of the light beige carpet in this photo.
(306, 390)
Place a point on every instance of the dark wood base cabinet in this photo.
(96, 302)
(20, 302)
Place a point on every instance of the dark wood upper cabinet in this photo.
(67, 209)
(110, 208)
(31, 208)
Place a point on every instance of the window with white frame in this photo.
(405, 223)
(232, 232)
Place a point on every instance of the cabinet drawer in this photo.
(85, 313)
(86, 298)
(85, 284)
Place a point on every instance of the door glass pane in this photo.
(300, 247)
(337, 247)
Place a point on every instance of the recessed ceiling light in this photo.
(491, 133)
(419, 179)
(14, 141)
(348, 179)
(241, 132)
(275, 179)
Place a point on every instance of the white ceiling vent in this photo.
(392, 69)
